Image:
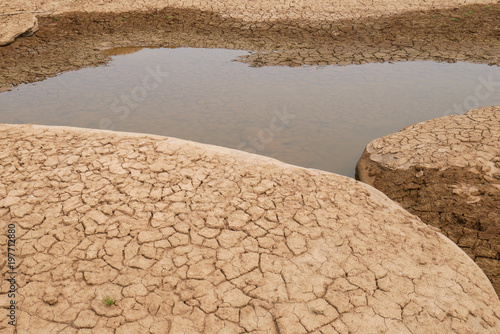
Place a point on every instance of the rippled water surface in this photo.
(319, 117)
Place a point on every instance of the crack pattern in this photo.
(72, 34)
(447, 172)
(192, 238)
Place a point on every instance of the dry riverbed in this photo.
(182, 237)
(68, 41)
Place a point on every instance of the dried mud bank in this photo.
(74, 40)
(258, 10)
(191, 238)
(18, 25)
(447, 172)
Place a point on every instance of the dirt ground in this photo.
(447, 172)
(188, 238)
(256, 10)
(192, 238)
(74, 40)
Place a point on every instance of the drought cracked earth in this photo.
(438, 31)
(191, 238)
(447, 172)
(188, 238)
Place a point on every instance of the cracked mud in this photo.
(191, 238)
(447, 172)
(188, 238)
(69, 41)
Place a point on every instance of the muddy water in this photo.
(319, 117)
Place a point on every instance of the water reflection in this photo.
(328, 114)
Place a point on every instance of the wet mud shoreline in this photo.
(71, 41)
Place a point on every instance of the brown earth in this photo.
(74, 40)
(13, 26)
(447, 172)
(192, 238)
(256, 10)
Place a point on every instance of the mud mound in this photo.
(16, 25)
(447, 172)
(190, 238)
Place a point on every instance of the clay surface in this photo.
(447, 172)
(188, 238)
(191, 238)
(281, 33)
(24, 24)
(259, 10)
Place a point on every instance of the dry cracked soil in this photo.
(71, 40)
(190, 238)
(447, 172)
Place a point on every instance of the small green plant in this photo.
(123, 19)
(170, 17)
(108, 301)
(453, 18)
(154, 15)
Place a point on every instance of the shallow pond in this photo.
(319, 117)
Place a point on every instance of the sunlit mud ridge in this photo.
(17, 25)
(260, 10)
(133, 233)
(447, 172)
(68, 41)
(179, 237)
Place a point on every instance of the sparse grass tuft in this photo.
(108, 301)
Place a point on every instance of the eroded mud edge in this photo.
(449, 200)
(74, 40)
